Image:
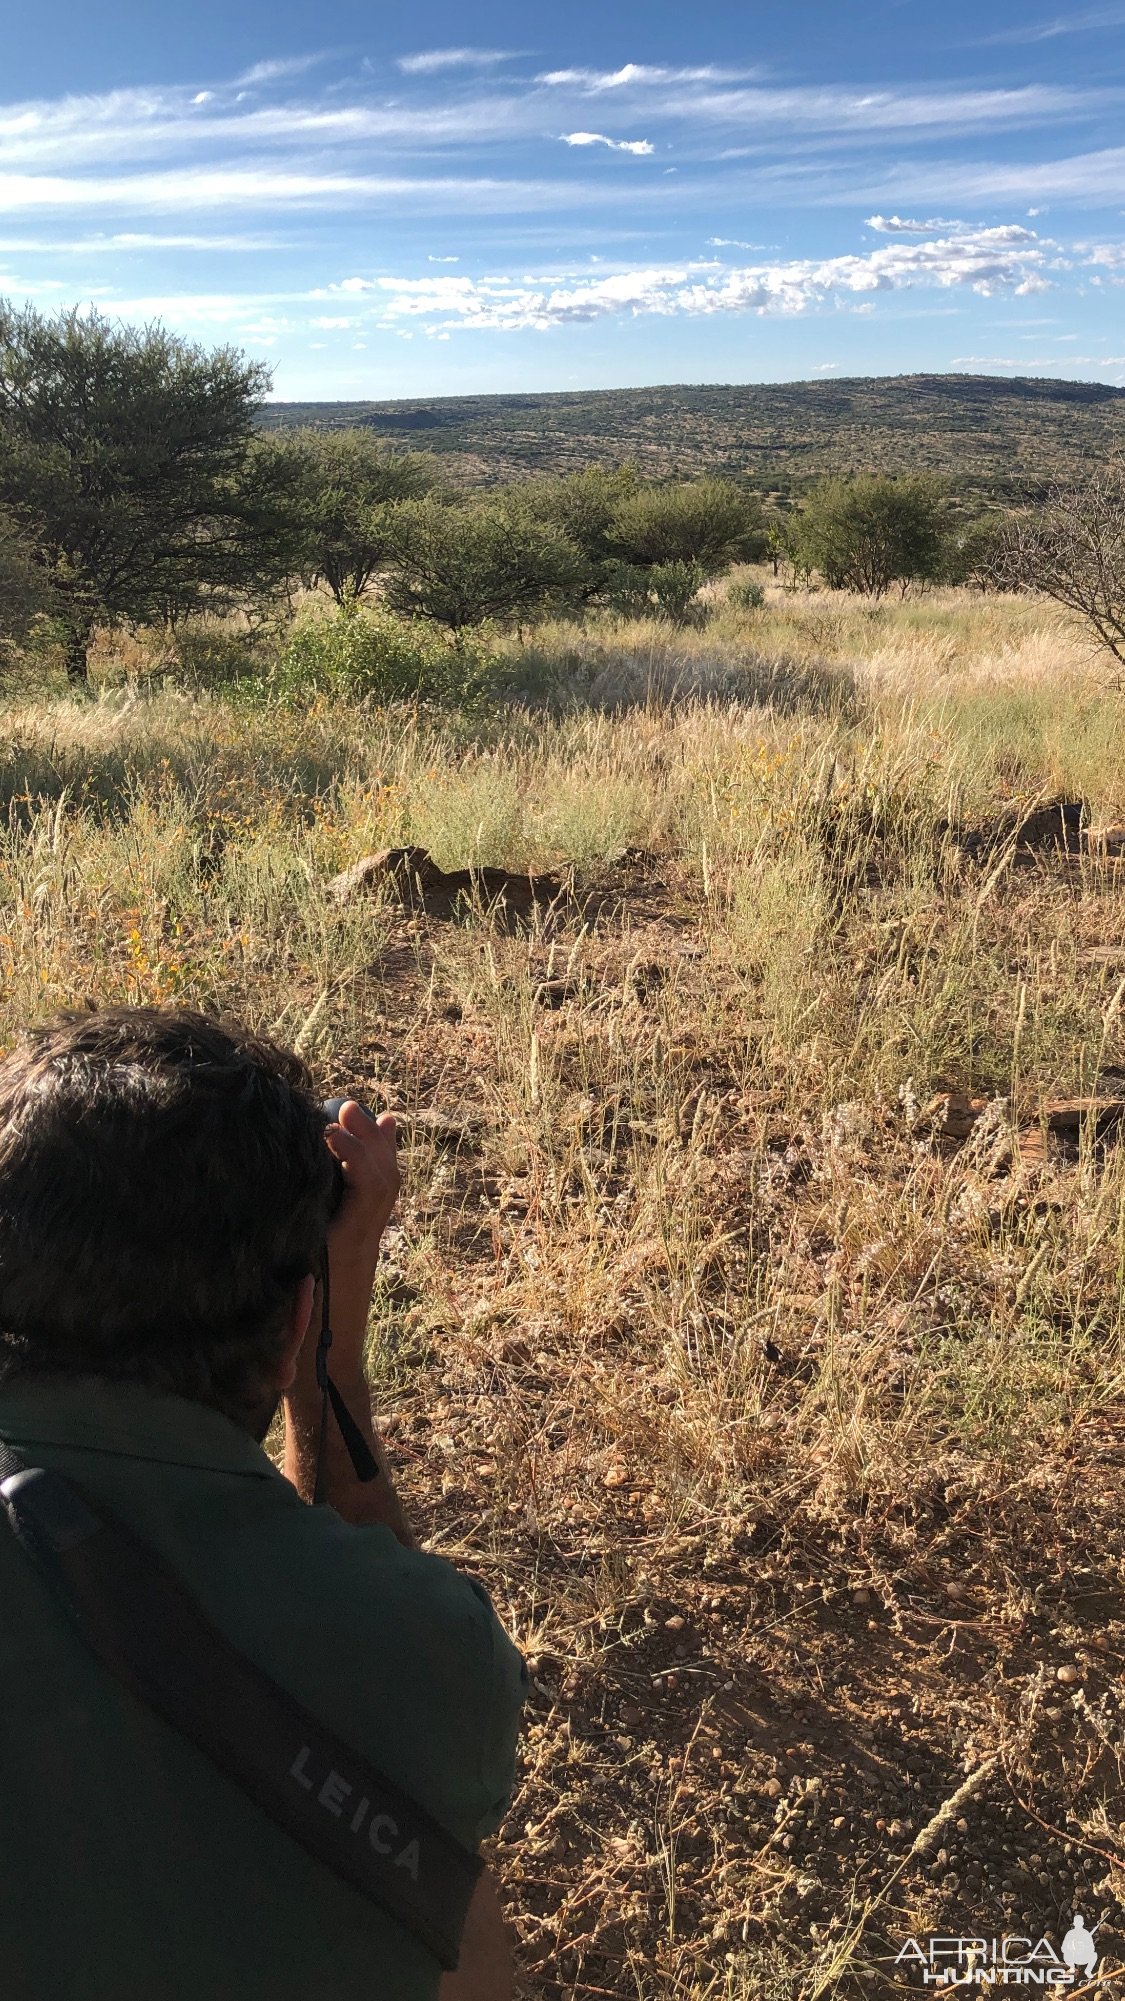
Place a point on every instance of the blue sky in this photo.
(400, 201)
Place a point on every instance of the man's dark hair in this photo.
(164, 1185)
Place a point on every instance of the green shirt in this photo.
(131, 1869)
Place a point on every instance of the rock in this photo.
(1068, 1674)
(389, 865)
(412, 875)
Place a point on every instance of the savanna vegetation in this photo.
(996, 439)
(747, 963)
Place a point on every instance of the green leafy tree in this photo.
(350, 483)
(129, 463)
(870, 533)
(583, 506)
(709, 522)
(459, 566)
(976, 553)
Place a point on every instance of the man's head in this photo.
(165, 1190)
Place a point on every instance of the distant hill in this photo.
(992, 437)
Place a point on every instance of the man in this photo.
(166, 1190)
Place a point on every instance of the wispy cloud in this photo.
(275, 68)
(428, 62)
(138, 240)
(191, 189)
(1061, 24)
(639, 146)
(638, 73)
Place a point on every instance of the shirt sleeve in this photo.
(507, 1693)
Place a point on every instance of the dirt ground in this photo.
(822, 1661)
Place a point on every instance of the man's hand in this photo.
(366, 1150)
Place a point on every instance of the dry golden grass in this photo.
(787, 1432)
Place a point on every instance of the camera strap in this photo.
(145, 1627)
(364, 1463)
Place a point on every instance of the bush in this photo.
(746, 595)
(370, 653)
(709, 522)
(869, 533)
(664, 590)
(675, 588)
(460, 566)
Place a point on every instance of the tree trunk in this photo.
(77, 651)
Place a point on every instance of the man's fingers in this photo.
(365, 1145)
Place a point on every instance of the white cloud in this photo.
(274, 68)
(326, 322)
(902, 225)
(825, 367)
(734, 243)
(639, 146)
(431, 259)
(203, 97)
(984, 261)
(637, 73)
(429, 61)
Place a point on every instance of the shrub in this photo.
(460, 566)
(370, 653)
(675, 588)
(710, 522)
(869, 533)
(663, 590)
(746, 595)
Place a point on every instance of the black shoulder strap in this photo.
(147, 1629)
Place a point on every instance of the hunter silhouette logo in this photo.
(1079, 1952)
(1011, 1961)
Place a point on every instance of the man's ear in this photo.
(296, 1327)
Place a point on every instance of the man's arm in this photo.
(485, 1969)
(365, 1148)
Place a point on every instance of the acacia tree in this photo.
(1073, 550)
(349, 485)
(869, 533)
(459, 566)
(128, 463)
